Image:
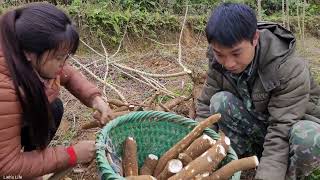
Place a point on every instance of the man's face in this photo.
(238, 57)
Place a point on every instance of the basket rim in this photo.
(103, 165)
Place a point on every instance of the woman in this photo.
(35, 42)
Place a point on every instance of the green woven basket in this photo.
(155, 133)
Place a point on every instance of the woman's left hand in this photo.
(103, 112)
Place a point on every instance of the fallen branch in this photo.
(157, 83)
(107, 66)
(137, 71)
(91, 48)
(152, 83)
(157, 86)
(100, 80)
(175, 102)
(171, 103)
(150, 101)
(94, 124)
(121, 109)
(150, 74)
(166, 109)
(146, 82)
(185, 69)
(120, 43)
(117, 102)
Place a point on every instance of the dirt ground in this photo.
(148, 56)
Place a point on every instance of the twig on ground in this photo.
(120, 44)
(151, 74)
(107, 66)
(185, 69)
(164, 107)
(158, 88)
(100, 80)
(138, 71)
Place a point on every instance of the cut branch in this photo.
(166, 109)
(94, 124)
(185, 69)
(124, 34)
(137, 71)
(117, 102)
(100, 80)
(107, 66)
(150, 74)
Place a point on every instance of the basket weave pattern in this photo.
(155, 133)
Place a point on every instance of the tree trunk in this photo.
(283, 14)
(288, 14)
(259, 10)
(303, 22)
(298, 16)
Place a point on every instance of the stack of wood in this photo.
(196, 156)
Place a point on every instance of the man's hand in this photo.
(103, 112)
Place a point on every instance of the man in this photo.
(268, 100)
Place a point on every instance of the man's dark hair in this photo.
(231, 23)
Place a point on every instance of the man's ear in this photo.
(256, 38)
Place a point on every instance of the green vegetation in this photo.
(109, 19)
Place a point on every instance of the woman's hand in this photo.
(85, 151)
(103, 112)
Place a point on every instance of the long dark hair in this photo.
(35, 28)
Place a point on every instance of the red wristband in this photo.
(73, 156)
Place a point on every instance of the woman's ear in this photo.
(30, 56)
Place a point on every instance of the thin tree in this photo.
(288, 14)
(259, 10)
(298, 17)
(283, 14)
(303, 22)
